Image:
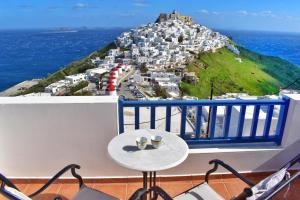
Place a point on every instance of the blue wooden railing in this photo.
(239, 137)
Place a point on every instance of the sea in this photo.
(33, 54)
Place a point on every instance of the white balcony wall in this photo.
(40, 135)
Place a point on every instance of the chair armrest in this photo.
(5, 181)
(138, 194)
(159, 191)
(217, 162)
(71, 167)
(269, 194)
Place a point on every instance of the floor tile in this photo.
(196, 180)
(221, 189)
(234, 188)
(132, 187)
(115, 189)
(176, 187)
(68, 190)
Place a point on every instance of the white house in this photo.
(76, 78)
(92, 73)
(57, 87)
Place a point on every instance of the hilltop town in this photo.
(148, 61)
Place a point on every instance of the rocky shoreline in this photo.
(14, 90)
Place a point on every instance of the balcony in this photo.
(40, 135)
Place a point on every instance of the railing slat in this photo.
(268, 121)
(241, 121)
(227, 121)
(255, 121)
(121, 116)
(137, 117)
(212, 125)
(198, 122)
(282, 120)
(168, 118)
(152, 123)
(183, 121)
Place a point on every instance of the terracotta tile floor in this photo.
(227, 186)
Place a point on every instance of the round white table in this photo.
(123, 150)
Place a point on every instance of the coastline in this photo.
(19, 87)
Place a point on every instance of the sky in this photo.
(267, 15)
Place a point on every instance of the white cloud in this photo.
(266, 13)
(203, 11)
(243, 12)
(207, 12)
(140, 3)
(79, 6)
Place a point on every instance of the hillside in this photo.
(79, 66)
(256, 74)
(278, 68)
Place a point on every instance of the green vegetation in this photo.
(83, 93)
(256, 74)
(143, 68)
(278, 68)
(76, 67)
(72, 90)
(180, 39)
(160, 92)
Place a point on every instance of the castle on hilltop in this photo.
(173, 16)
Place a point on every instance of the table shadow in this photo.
(132, 148)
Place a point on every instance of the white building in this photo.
(96, 72)
(171, 88)
(77, 78)
(57, 87)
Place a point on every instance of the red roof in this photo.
(112, 73)
(110, 81)
(111, 88)
(112, 77)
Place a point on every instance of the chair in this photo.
(264, 190)
(9, 190)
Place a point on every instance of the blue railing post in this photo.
(152, 117)
(268, 121)
(198, 122)
(137, 117)
(212, 125)
(282, 120)
(121, 116)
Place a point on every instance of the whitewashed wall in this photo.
(40, 135)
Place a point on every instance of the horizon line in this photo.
(81, 28)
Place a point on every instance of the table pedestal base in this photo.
(147, 186)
